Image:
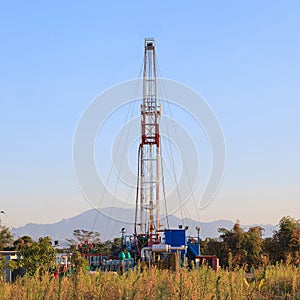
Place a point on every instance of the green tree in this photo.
(245, 248)
(116, 246)
(6, 238)
(271, 250)
(38, 256)
(254, 246)
(234, 241)
(23, 242)
(78, 261)
(215, 247)
(286, 241)
(2, 263)
(82, 235)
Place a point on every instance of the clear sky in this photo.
(242, 56)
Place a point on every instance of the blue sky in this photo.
(242, 57)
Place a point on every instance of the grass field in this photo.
(273, 282)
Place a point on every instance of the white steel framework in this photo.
(149, 151)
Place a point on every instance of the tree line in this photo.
(235, 247)
(239, 247)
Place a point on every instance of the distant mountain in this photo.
(110, 227)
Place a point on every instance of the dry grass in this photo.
(275, 282)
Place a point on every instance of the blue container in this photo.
(175, 237)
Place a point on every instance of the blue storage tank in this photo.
(175, 237)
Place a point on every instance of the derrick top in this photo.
(150, 43)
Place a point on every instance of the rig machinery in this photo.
(151, 243)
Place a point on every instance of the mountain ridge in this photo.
(109, 227)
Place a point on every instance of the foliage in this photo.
(6, 238)
(23, 242)
(110, 247)
(79, 261)
(273, 282)
(215, 247)
(2, 263)
(249, 248)
(234, 248)
(2, 268)
(243, 248)
(82, 235)
(254, 246)
(38, 256)
(285, 243)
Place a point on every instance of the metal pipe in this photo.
(179, 248)
(143, 251)
(161, 248)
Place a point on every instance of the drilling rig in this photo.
(151, 243)
(148, 192)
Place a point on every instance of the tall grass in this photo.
(273, 282)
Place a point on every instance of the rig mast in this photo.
(149, 150)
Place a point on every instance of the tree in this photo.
(215, 247)
(116, 246)
(271, 250)
(6, 238)
(245, 248)
(82, 235)
(254, 246)
(234, 241)
(286, 241)
(23, 242)
(79, 261)
(38, 256)
(2, 263)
